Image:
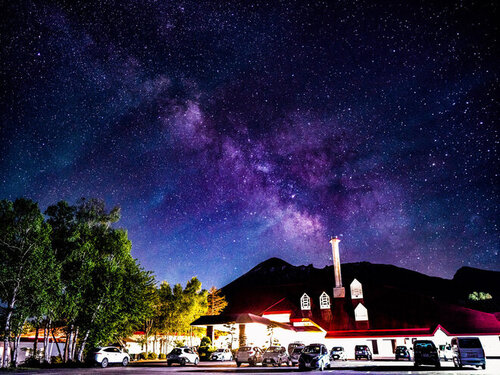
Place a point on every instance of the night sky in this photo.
(234, 131)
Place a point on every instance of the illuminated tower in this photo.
(339, 290)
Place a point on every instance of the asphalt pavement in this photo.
(340, 368)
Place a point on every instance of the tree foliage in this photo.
(73, 270)
(480, 296)
(28, 268)
(215, 302)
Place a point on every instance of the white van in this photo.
(468, 351)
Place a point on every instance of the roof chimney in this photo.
(338, 291)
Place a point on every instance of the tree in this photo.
(27, 262)
(480, 296)
(216, 303)
(106, 293)
(179, 307)
(270, 332)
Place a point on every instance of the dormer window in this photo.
(360, 313)
(356, 290)
(324, 301)
(305, 302)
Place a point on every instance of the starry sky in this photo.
(230, 132)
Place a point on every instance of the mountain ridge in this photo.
(275, 272)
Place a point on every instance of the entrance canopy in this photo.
(244, 318)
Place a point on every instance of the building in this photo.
(279, 302)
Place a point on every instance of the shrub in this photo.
(179, 343)
(152, 355)
(205, 341)
(31, 362)
(56, 360)
(163, 356)
(205, 352)
(143, 355)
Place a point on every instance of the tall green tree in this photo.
(179, 307)
(27, 262)
(106, 294)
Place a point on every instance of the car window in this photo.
(312, 349)
(176, 351)
(424, 345)
(109, 350)
(469, 343)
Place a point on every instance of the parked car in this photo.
(222, 355)
(445, 352)
(183, 356)
(338, 353)
(468, 351)
(248, 354)
(295, 354)
(276, 356)
(425, 353)
(293, 345)
(110, 354)
(362, 351)
(314, 356)
(402, 352)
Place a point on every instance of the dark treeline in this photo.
(69, 270)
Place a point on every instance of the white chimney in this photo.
(339, 290)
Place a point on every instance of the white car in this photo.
(337, 353)
(183, 356)
(222, 355)
(110, 354)
(445, 352)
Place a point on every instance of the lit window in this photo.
(324, 301)
(305, 302)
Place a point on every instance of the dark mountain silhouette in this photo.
(266, 282)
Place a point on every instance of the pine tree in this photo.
(216, 302)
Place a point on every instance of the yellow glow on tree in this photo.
(216, 302)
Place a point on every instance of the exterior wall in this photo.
(26, 350)
(134, 347)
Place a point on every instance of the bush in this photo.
(143, 355)
(163, 356)
(31, 362)
(152, 355)
(56, 360)
(205, 341)
(179, 343)
(205, 352)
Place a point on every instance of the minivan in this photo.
(468, 351)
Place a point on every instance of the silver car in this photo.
(248, 354)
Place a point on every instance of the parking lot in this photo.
(347, 367)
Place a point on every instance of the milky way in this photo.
(231, 132)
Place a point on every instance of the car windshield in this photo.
(361, 347)
(297, 350)
(245, 349)
(337, 349)
(176, 351)
(403, 348)
(220, 350)
(424, 345)
(274, 349)
(472, 343)
(312, 349)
